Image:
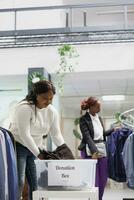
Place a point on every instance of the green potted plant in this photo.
(67, 54)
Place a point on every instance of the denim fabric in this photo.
(2, 177)
(12, 167)
(115, 144)
(128, 159)
(26, 166)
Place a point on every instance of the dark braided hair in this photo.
(40, 87)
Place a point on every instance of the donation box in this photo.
(67, 173)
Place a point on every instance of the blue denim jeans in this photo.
(26, 167)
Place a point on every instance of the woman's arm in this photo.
(23, 117)
(55, 130)
(109, 131)
(87, 137)
(106, 132)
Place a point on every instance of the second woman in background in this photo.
(93, 140)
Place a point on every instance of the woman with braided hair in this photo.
(93, 139)
(33, 118)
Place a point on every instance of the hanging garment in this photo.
(115, 143)
(2, 177)
(4, 156)
(12, 167)
(128, 159)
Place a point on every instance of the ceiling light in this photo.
(113, 97)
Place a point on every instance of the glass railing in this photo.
(99, 16)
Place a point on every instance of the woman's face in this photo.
(96, 108)
(44, 99)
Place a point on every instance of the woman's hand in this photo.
(41, 156)
(117, 128)
(96, 155)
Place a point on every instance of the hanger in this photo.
(127, 118)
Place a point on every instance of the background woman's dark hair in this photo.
(40, 87)
(87, 103)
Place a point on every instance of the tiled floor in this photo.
(118, 194)
(117, 191)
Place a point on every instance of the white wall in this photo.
(101, 57)
(17, 61)
(95, 57)
(12, 90)
(22, 3)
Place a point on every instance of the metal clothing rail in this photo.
(69, 34)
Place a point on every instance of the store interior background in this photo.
(97, 81)
(102, 69)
